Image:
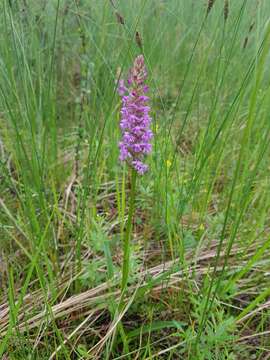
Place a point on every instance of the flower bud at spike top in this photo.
(135, 120)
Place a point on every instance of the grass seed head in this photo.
(119, 18)
(226, 9)
(210, 6)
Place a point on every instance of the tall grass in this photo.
(198, 284)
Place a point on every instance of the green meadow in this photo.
(92, 267)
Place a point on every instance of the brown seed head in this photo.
(209, 6)
(226, 9)
(251, 27)
(138, 39)
(119, 18)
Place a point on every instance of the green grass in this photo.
(198, 275)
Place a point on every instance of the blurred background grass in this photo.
(200, 245)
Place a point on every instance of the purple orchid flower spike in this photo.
(135, 120)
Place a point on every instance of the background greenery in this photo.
(200, 269)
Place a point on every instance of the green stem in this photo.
(126, 244)
(125, 264)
